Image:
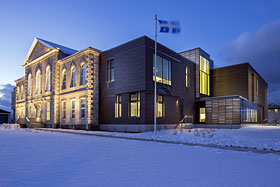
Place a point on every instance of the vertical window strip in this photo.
(83, 108)
(204, 76)
(110, 70)
(63, 109)
(73, 108)
(83, 75)
(160, 106)
(118, 106)
(48, 117)
(163, 70)
(73, 77)
(134, 105)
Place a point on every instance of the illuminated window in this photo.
(134, 105)
(110, 70)
(38, 82)
(118, 106)
(18, 92)
(63, 109)
(48, 111)
(48, 79)
(63, 79)
(73, 77)
(29, 84)
(163, 70)
(204, 76)
(83, 75)
(202, 115)
(276, 110)
(73, 108)
(160, 107)
(83, 108)
(187, 77)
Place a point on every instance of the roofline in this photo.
(17, 80)
(80, 52)
(196, 48)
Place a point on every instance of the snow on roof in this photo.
(54, 45)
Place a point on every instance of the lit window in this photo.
(83, 75)
(118, 106)
(134, 104)
(29, 84)
(202, 115)
(48, 111)
(163, 70)
(48, 79)
(187, 77)
(204, 76)
(73, 77)
(160, 107)
(63, 79)
(83, 107)
(63, 109)
(73, 108)
(110, 70)
(276, 110)
(38, 82)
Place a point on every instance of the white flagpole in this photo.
(155, 102)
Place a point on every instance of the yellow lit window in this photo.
(160, 107)
(118, 106)
(134, 105)
(276, 110)
(48, 111)
(163, 70)
(204, 76)
(202, 115)
(187, 77)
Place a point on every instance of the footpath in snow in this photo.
(264, 138)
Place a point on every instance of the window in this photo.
(118, 106)
(202, 115)
(160, 107)
(83, 75)
(48, 79)
(83, 108)
(22, 92)
(204, 76)
(38, 82)
(30, 112)
(63, 79)
(18, 92)
(163, 70)
(63, 109)
(38, 110)
(276, 110)
(73, 77)
(110, 70)
(134, 105)
(29, 84)
(73, 108)
(257, 86)
(187, 77)
(48, 111)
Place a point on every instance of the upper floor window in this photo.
(38, 82)
(29, 84)
(204, 76)
(83, 75)
(134, 105)
(83, 108)
(73, 77)
(63, 79)
(48, 79)
(118, 106)
(163, 71)
(187, 77)
(110, 70)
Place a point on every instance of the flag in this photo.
(169, 26)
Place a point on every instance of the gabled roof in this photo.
(50, 45)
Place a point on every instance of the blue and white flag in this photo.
(169, 26)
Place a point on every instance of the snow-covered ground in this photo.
(38, 158)
(259, 137)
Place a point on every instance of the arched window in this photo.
(18, 92)
(22, 92)
(29, 84)
(48, 79)
(73, 77)
(38, 81)
(83, 75)
(63, 79)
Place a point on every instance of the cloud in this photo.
(5, 96)
(261, 49)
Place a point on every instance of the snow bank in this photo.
(9, 126)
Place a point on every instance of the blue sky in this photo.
(215, 26)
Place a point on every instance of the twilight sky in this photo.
(230, 31)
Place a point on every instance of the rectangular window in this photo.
(160, 106)
(30, 112)
(48, 117)
(202, 115)
(63, 109)
(73, 108)
(64, 80)
(163, 70)
(134, 105)
(204, 76)
(110, 70)
(187, 77)
(38, 110)
(118, 106)
(83, 107)
(257, 86)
